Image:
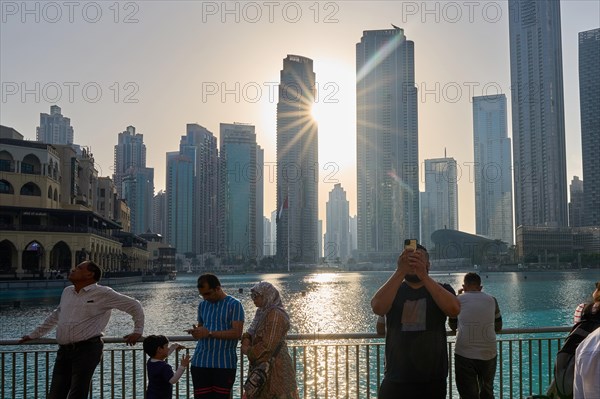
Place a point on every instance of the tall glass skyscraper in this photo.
(540, 172)
(138, 191)
(387, 143)
(493, 169)
(200, 145)
(337, 237)
(439, 201)
(241, 174)
(133, 180)
(54, 128)
(130, 152)
(589, 103)
(180, 202)
(297, 163)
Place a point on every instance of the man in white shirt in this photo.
(475, 349)
(80, 319)
(586, 384)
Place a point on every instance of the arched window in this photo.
(7, 163)
(31, 165)
(6, 187)
(31, 189)
(49, 192)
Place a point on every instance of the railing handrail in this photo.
(304, 337)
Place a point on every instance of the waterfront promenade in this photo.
(328, 366)
(321, 307)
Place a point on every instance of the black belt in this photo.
(77, 344)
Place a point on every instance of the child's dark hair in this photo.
(153, 342)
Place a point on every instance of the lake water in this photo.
(316, 302)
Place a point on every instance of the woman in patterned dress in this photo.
(268, 330)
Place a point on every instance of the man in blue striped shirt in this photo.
(220, 326)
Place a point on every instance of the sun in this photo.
(334, 110)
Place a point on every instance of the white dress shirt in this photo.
(586, 384)
(83, 315)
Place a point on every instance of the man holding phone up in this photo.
(416, 308)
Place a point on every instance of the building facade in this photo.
(200, 145)
(538, 124)
(387, 143)
(130, 153)
(179, 202)
(439, 207)
(492, 169)
(576, 204)
(589, 106)
(159, 217)
(241, 173)
(48, 220)
(337, 237)
(54, 128)
(297, 163)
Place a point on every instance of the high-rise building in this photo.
(337, 239)
(200, 145)
(133, 180)
(179, 202)
(353, 234)
(297, 163)
(273, 239)
(106, 198)
(138, 192)
(159, 218)
(267, 236)
(576, 205)
(589, 105)
(240, 193)
(387, 143)
(439, 207)
(54, 128)
(260, 201)
(493, 169)
(538, 123)
(130, 152)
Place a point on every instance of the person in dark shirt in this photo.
(161, 377)
(415, 308)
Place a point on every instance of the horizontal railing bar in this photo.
(304, 337)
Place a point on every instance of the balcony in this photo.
(327, 366)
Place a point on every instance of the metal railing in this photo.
(327, 366)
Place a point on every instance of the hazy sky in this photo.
(158, 65)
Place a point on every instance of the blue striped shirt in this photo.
(218, 316)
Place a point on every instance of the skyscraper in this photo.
(54, 128)
(180, 202)
(576, 205)
(337, 237)
(297, 163)
(200, 145)
(493, 177)
(138, 191)
(133, 180)
(159, 218)
(589, 103)
(241, 174)
(538, 113)
(387, 143)
(439, 207)
(130, 152)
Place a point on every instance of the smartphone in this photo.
(410, 244)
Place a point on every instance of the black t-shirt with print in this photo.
(415, 344)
